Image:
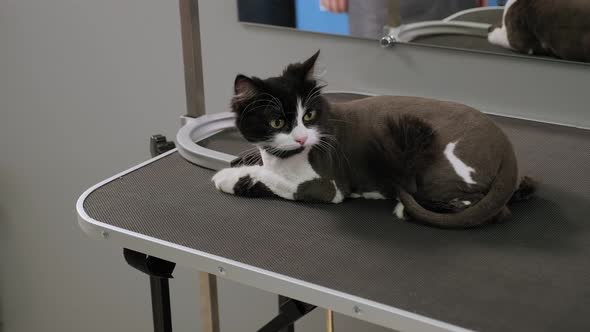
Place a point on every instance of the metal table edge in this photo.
(324, 297)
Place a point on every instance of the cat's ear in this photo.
(244, 87)
(310, 68)
(305, 70)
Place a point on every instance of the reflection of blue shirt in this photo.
(367, 18)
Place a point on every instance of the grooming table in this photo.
(529, 274)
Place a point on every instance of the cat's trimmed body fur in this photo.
(448, 163)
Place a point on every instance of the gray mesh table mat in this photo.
(529, 274)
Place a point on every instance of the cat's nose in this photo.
(301, 140)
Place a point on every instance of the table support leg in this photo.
(329, 320)
(159, 271)
(290, 328)
(161, 304)
(209, 302)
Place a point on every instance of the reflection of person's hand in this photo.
(336, 6)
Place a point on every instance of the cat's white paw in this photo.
(226, 179)
(399, 211)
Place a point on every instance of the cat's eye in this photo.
(309, 115)
(277, 123)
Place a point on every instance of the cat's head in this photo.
(283, 114)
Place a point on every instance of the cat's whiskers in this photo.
(316, 92)
(309, 94)
(254, 102)
(331, 152)
(337, 148)
(313, 91)
(250, 107)
(323, 146)
(325, 150)
(274, 151)
(282, 147)
(273, 98)
(246, 152)
(251, 154)
(277, 103)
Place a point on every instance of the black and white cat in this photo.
(448, 164)
(560, 28)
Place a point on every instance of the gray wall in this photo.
(84, 83)
(82, 86)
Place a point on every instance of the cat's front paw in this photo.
(226, 179)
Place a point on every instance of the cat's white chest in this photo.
(296, 169)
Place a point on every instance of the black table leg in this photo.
(159, 271)
(161, 304)
(290, 328)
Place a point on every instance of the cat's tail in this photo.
(491, 205)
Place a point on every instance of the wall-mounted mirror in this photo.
(543, 29)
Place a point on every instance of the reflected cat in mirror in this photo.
(448, 164)
(559, 28)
